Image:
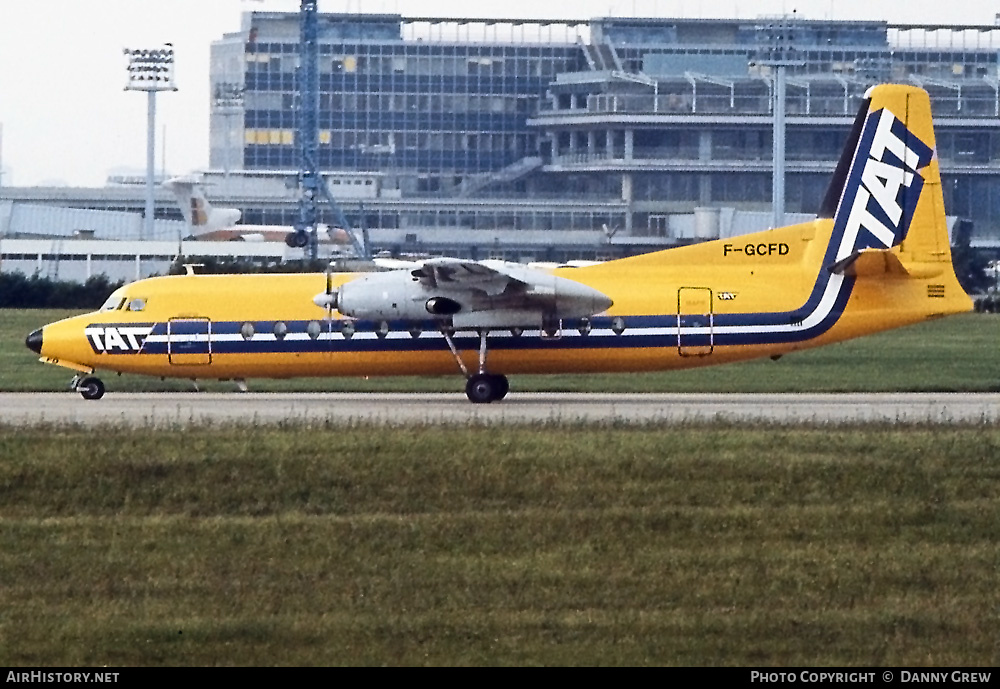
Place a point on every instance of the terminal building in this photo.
(557, 140)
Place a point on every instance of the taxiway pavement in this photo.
(184, 409)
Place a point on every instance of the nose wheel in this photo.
(90, 387)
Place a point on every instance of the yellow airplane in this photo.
(877, 257)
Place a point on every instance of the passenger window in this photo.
(246, 330)
(280, 330)
(314, 329)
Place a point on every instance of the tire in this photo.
(91, 388)
(484, 388)
(481, 388)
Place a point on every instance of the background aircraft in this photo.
(210, 223)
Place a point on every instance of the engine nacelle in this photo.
(389, 296)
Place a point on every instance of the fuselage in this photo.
(878, 257)
(266, 233)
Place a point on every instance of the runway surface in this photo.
(184, 409)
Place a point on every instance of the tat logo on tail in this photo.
(883, 186)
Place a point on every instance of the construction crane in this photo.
(311, 184)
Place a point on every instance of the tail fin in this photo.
(890, 220)
(198, 212)
(891, 200)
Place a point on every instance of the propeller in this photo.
(328, 297)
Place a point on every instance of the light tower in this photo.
(150, 71)
(228, 101)
(778, 52)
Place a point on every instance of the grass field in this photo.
(954, 354)
(553, 545)
(515, 545)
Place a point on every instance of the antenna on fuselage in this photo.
(189, 267)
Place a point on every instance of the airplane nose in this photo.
(34, 341)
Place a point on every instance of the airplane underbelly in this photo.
(430, 363)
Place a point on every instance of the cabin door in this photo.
(695, 321)
(189, 341)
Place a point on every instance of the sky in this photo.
(67, 120)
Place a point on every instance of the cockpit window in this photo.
(113, 303)
(137, 304)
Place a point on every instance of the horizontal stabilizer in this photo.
(882, 262)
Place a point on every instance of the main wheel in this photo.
(481, 388)
(91, 388)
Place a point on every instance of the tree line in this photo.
(20, 291)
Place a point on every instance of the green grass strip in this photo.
(551, 545)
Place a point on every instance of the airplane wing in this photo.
(475, 294)
(452, 273)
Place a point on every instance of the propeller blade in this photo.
(329, 297)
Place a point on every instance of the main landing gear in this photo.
(481, 387)
(91, 387)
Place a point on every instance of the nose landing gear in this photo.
(90, 387)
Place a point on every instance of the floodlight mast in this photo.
(150, 71)
(228, 100)
(311, 182)
(778, 52)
